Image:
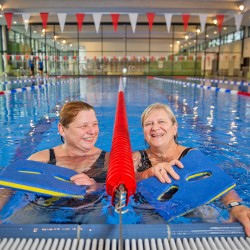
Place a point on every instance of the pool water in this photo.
(215, 123)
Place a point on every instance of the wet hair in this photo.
(70, 110)
(159, 106)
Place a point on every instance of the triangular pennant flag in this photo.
(95, 58)
(133, 58)
(44, 17)
(100, 58)
(161, 58)
(62, 19)
(27, 57)
(109, 58)
(128, 58)
(180, 58)
(60, 58)
(185, 18)
(199, 57)
(238, 20)
(115, 18)
(51, 58)
(148, 58)
(8, 18)
(69, 58)
(31, 58)
(104, 58)
(168, 18)
(36, 57)
(190, 58)
(55, 58)
(46, 58)
(119, 58)
(212, 57)
(12, 57)
(65, 58)
(222, 57)
(220, 19)
(124, 58)
(226, 57)
(203, 19)
(217, 57)
(133, 20)
(97, 20)
(75, 58)
(194, 58)
(171, 58)
(157, 58)
(85, 58)
(185, 57)
(80, 18)
(176, 58)
(152, 58)
(138, 58)
(17, 57)
(166, 58)
(41, 57)
(230, 57)
(150, 19)
(234, 56)
(26, 18)
(90, 58)
(8, 57)
(114, 58)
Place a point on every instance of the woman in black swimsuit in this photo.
(79, 130)
(160, 131)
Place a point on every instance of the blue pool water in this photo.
(215, 123)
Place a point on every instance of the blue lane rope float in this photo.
(192, 190)
(41, 178)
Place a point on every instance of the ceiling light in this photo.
(215, 21)
(224, 28)
(43, 30)
(181, 46)
(171, 45)
(186, 37)
(194, 41)
(215, 32)
(34, 31)
(14, 22)
(0, 6)
(57, 42)
(26, 21)
(70, 45)
(178, 42)
(55, 37)
(1, 15)
(207, 35)
(189, 43)
(41, 34)
(64, 41)
(185, 45)
(198, 30)
(241, 7)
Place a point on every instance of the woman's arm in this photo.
(6, 195)
(239, 213)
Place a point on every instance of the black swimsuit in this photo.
(145, 163)
(97, 171)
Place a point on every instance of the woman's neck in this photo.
(166, 152)
(72, 151)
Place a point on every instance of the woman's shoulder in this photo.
(42, 156)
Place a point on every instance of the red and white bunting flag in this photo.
(115, 18)
(161, 58)
(36, 57)
(17, 57)
(166, 58)
(176, 58)
(31, 58)
(238, 20)
(133, 20)
(44, 17)
(26, 18)
(90, 58)
(203, 20)
(204, 57)
(109, 58)
(168, 18)
(46, 58)
(222, 57)
(12, 57)
(151, 17)
(185, 18)
(41, 57)
(220, 19)
(194, 58)
(114, 58)
(124, 58)
(85, 58)
(234, 57)
(75, 58)
(157, 58)
(62, 19)
(133, 58)
(22, 56)
(104, 58)
(70, 58)
(8, 18)
(230, 57)
(55, 58)
(152, 58)
(60, 58)
(171, 58)
(80, 17)
(138, 58)
(97, 20)
(128, 58)
(180, 58)
(27, 57)
(119, 58)
(65, 58)
(8, 57)
(226, 57)
(51, 58)
(148, 58)
(100, 58)
(185, 57)
(212, 57)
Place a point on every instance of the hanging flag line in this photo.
(115, 19)
(235, 92)
(119, 58)
(18, 90)
(219, 81)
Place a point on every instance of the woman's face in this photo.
(82, 133)
(158, 129)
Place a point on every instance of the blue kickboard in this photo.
(191, 191)
(41, 178)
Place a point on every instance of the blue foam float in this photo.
(191, 191)
(41, 178)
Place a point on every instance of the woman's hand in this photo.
(83, 179)
(242, 214)
(161, 171)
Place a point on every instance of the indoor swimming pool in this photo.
(216, 123)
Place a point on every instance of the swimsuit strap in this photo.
(145, 163)
(52, 157)
(184, 152)
(102, 156)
